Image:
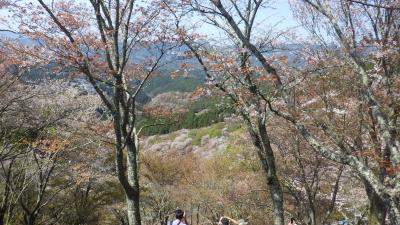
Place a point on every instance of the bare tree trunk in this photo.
(394, 211)
(198, 215)
(132, 205)
(262, 143)
(311, 215)
(273, 181)
(2, 217)
(130, 181)
(29, 219)
(377, 208)
(133, 197)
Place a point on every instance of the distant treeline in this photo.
(203, 112)
(157, 84)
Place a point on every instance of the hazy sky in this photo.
(280, 13)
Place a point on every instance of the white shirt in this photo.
(175, 222)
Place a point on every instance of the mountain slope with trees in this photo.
(119, 111)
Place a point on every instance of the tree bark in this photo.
(29, 219)
(133, 198)
(132, 207)
(311, 215)
(2, 217)
(377, 207)
(130, 181)
(262, 143)
(394, 211)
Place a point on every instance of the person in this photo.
(292, 222)
(227, 221)
(223, 221)
(180, 218)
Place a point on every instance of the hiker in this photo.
(223, 221)
(180, 218)
(292, 222)
(227, 221)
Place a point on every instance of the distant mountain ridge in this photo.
(159, 83)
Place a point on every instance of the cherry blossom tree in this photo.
(364, 34)
(358, 50)
(234, 73)
(116, 46)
